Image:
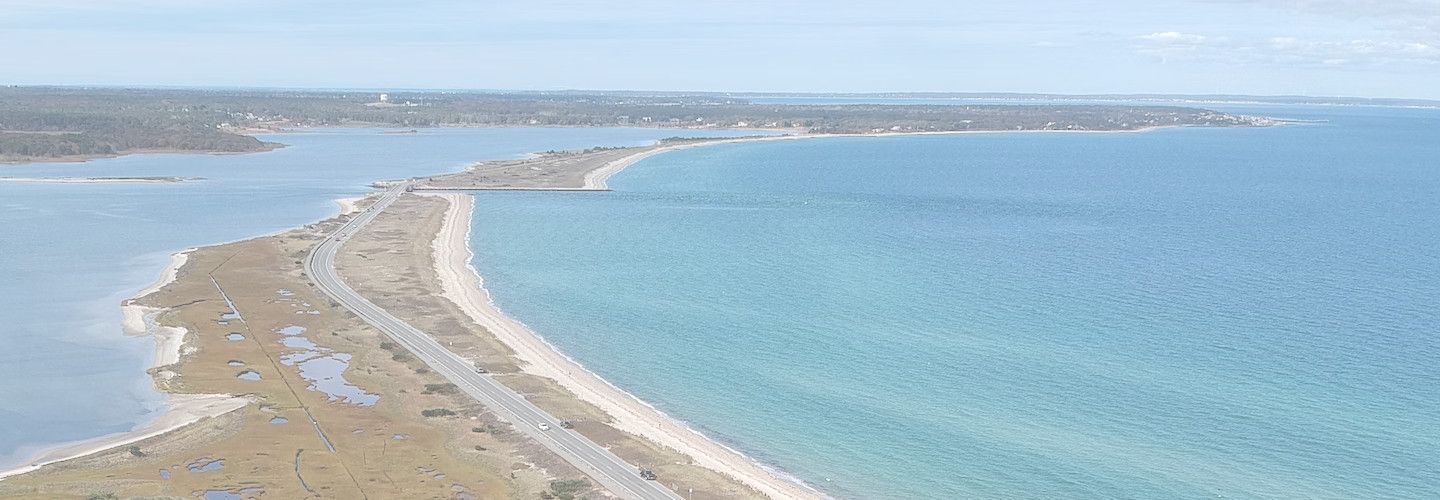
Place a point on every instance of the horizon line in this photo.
(744, 93)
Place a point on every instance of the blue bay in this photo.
(71, 253)
(1183, 313)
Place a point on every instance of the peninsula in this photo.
(411, 383)
(102, 180)
(242, 330)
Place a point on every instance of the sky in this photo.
(1364, 48)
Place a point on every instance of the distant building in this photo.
(384, 97)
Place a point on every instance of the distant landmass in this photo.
(104, 180)
(72, 123)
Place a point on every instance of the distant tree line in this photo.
(38, 122)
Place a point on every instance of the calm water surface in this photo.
(1202, 313)
(71, 253)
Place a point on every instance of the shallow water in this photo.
(326, 373)
(72, 252)
(291, 330)
(299, 343)
(206, 465)
(1186, 314)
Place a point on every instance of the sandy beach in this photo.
(349, 205)
(596, 180)
(180, 409)
(463, 286)
(100, 180)
(139, 320)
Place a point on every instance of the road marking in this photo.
(609, 470)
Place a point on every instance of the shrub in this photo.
(437, 412)
(567, 489)
(446, 388)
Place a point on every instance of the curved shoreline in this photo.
(464, 286)
(179, 409)
(102, 180)
(597, 180)
(631, 414)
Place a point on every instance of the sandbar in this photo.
(180, 409)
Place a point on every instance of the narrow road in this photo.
(604, 467)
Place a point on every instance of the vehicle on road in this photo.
(596, 461)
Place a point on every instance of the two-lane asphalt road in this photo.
(620, 478)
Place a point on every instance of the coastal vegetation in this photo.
(437, 412)
(567, 489)
(445, 388)
(38, 123)
(52, 123)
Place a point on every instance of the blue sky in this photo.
(1314, 47)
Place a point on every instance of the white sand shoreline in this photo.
(464, 286)
(139, 320)
(100, 180)
(179, 409)
(597, 179)
(349, 205)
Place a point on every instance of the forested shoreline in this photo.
(40, 123)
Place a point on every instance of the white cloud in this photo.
(1170, 37)
(1358, 51)
(1171, 46)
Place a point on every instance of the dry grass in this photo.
(565, 169)
(391, 263)
(384, 451)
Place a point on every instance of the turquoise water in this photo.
(1201, 313)
(71, 253)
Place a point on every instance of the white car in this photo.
(543, 426)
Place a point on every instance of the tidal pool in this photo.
(248, 375)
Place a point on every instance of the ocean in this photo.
(72, 252)
(1179, 314)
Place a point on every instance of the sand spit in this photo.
(463, 286)
(139, 320)
(349, 205)
(596, 179)
(180, 409)
(101, 180)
